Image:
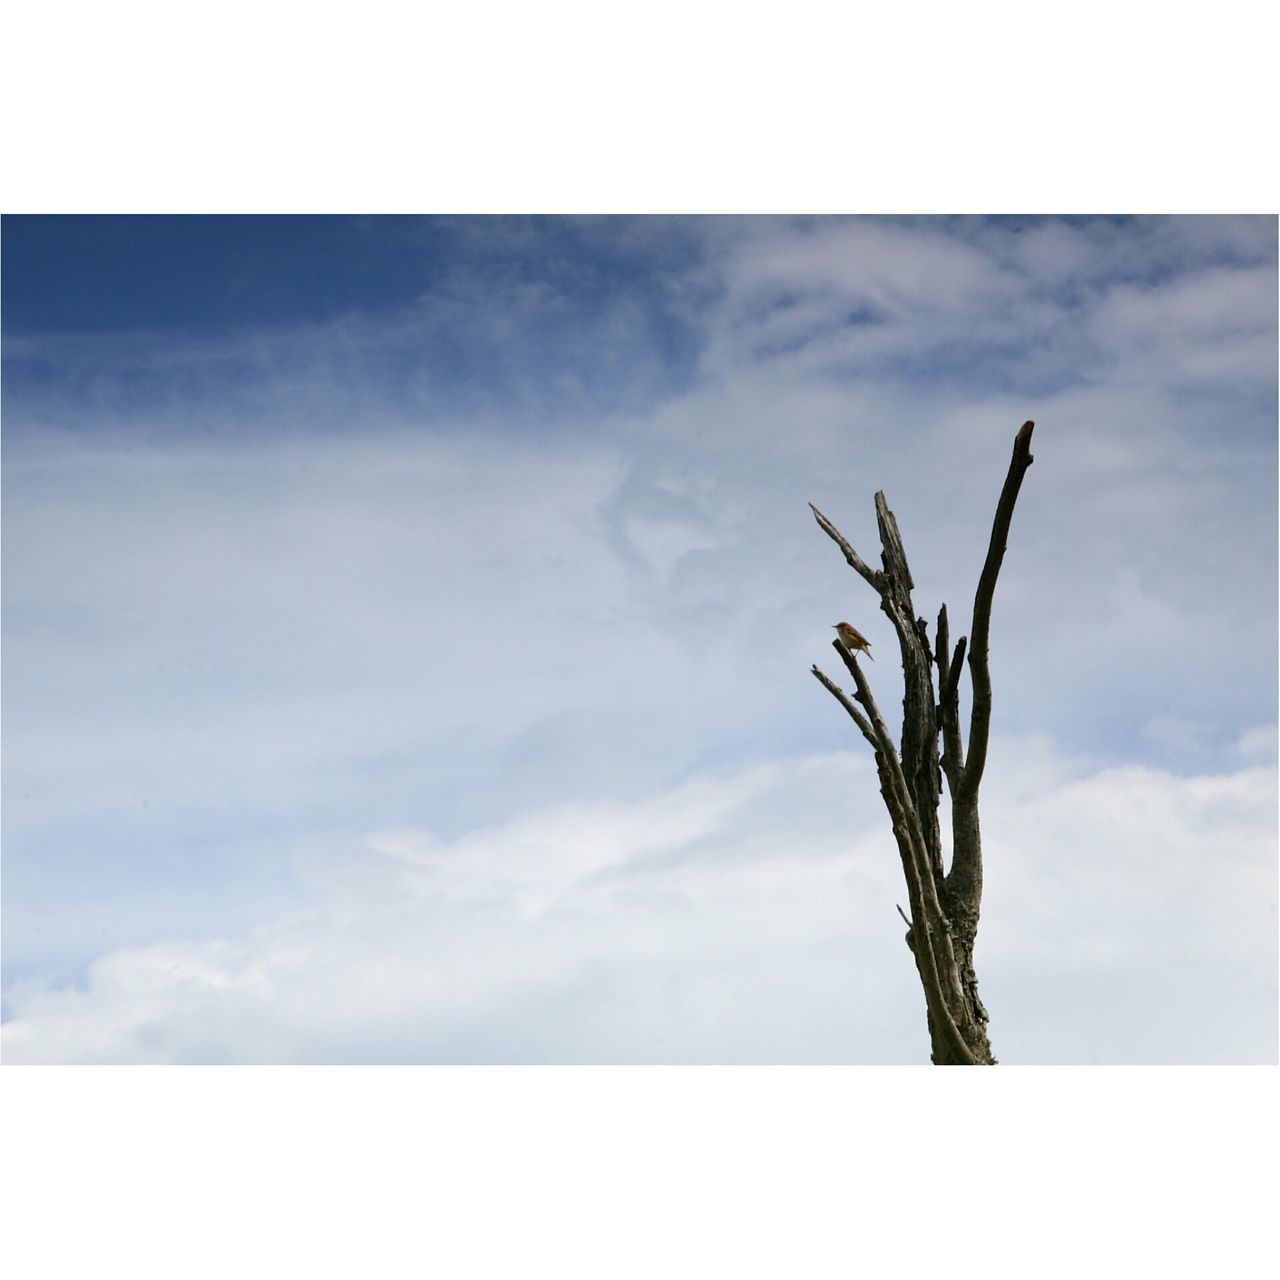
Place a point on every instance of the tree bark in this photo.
(945, 904)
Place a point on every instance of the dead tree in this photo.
(945, 903)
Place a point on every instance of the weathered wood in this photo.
(944, 907)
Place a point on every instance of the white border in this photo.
(640, 1172)
(559, 108)
(669, 107)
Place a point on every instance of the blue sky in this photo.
(407, 626)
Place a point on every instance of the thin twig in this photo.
(844, 700)
(873, 577)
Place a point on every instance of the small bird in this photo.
(853, 639)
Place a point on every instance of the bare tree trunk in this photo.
(945, 904)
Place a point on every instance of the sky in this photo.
(407, 626)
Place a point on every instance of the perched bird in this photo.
(853, 639)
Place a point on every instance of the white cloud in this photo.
(1176, 735)
(1258, 744)
(1141, 902)
(746, 917)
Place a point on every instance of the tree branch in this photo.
(844, 700)
(941, 643)
(979, 670)
(887, 756)
(874, 578)
(895, 554)
(957, 667)
(949, 703)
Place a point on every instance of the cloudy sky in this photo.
(407, 627)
